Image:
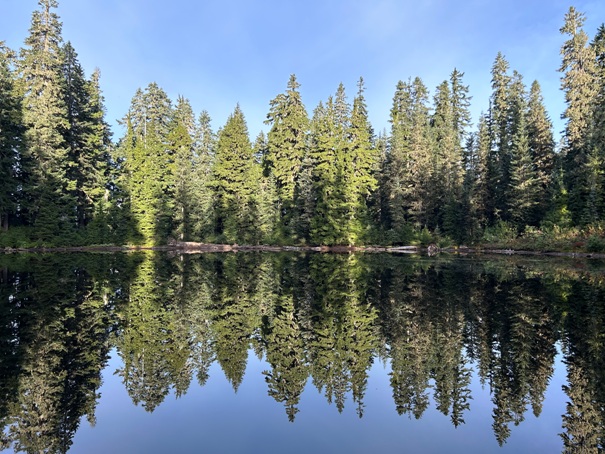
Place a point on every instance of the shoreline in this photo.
(193, 248)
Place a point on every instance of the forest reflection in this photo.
(323, 318)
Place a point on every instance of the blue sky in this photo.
(217, 53)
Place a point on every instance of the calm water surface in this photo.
(300, 353)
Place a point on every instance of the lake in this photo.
(292, 352)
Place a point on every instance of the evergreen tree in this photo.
(338, 183)
(409, 161)
(323, 224)
(477, 179)
(87, 137)
(455, 222)
(11, 140)
(149, 164)
(460, 105)
(201, 192)
(577, 83)
(286, 147)
(524, 184)
(444, 192)
(542, 149)
(265, 199)
(500, 134)
(181, 143)
(361, 172)
(520, 196)
(233, 181)
(597, 139)
(45, 164)
(304, 199)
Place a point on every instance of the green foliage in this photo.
(595, 243)
(11, 135)
(286, 147)
(502, 231)
(425, 237)
(327, 181)
(235, 179)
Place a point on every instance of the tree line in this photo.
(320, 178)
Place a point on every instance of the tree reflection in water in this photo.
(318, 318)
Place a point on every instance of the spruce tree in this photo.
(409, 162)
(181, 143)
(478, 178)
(11, 140)
(149, 164)
(500, 155)
(542, 149)
(361, 174)
(45, 161)
(340, 170)
(524, 182)
(444, 192)
(233, 181)
(286, 147)
(323, 153)
(456, 220)
(265, 198)
(578, 85)
(398, 191)
(597, 139)
(201, 204)
(87, 137)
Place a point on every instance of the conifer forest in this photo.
(317, 177)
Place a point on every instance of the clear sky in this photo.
(217, 53)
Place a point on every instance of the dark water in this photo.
(266, 353)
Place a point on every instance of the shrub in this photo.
(595, 243)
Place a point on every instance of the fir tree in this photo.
(87, 137)
(524, 184)
(578, 68)
(477, 178)
(201, 204)
(398, 191)
(233, 181)
(265, 198)
(181, 142)
(11, 140)
(361, 173)
(542, 149)
(323, 153)
(409, 162)
(149, 164)
(500, 154)
(444, 193)
(286, 147)
(45, 160)
(597, 139)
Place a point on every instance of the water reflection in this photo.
(316, 318)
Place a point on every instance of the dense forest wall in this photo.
(321, 177)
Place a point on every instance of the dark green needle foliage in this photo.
(323, 181)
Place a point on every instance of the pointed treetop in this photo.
(293, 84)
(574, 21)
